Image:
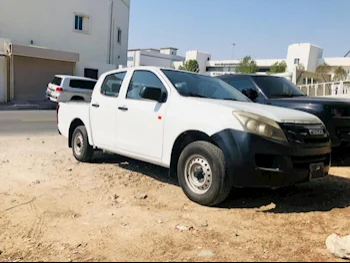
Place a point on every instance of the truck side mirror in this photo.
(153, 93)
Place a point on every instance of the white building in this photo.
(306, 55)
(80, 37)
(164, 57)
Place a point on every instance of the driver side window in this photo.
(247, 88)
(142, 79)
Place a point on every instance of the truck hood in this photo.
(277, 114)
(326, 101)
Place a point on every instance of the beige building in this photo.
(82, 37)
(26, 70)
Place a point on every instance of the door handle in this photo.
(123, 108)
(96, 105)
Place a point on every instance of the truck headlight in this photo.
(260, 125)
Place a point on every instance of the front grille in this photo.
(303, 162)
(300, 134)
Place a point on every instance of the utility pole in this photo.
(233, 50)
(347, 54)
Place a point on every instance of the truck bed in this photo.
(70, 112)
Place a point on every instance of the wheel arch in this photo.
(181, 142)
(74, 124)
(224, 139)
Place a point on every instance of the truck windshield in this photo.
(195, 85)
(277, 87)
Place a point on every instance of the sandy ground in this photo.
(55, 209)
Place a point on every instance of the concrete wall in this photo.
(136, 58)
(101, 67)
(177, 64)
(169, 51)
(307, 54)
(336, 62)
(121, 17)
(152, 58)
(201, 57)
(315, 54)
(3, 79)
(3, 71)
(51, 24)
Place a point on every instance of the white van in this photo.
(70, 88)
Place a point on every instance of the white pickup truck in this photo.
(208, 134)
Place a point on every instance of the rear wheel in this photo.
(82, 150)
(202, 174)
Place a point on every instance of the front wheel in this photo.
(202, 174)
(82, 150)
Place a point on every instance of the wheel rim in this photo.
(78, 144)
(198, 174)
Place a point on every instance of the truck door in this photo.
(140, 121)
(103, 112)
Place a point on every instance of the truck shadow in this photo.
(156, 172)
(341, 159)
(341, 162)
(317, 196)
(321, 195)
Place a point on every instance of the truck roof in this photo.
(148, 68)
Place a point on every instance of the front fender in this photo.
(227, 140)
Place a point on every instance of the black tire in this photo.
(84, 152)
(220, 184)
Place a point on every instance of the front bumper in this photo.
(254, 161)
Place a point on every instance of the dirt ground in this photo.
(55, 209)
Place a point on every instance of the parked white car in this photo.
(70, 88)
(210, 135)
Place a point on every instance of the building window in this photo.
(82, 23)
(91, 73)
(296, 61)
(119, 36)
(130, 58)
(221, 69)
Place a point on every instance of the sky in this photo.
(260, 28)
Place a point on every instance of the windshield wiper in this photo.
(229, 99)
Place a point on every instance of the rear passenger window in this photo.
(82, 84)
(56, 81)
(142, 79)
(112, 84)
